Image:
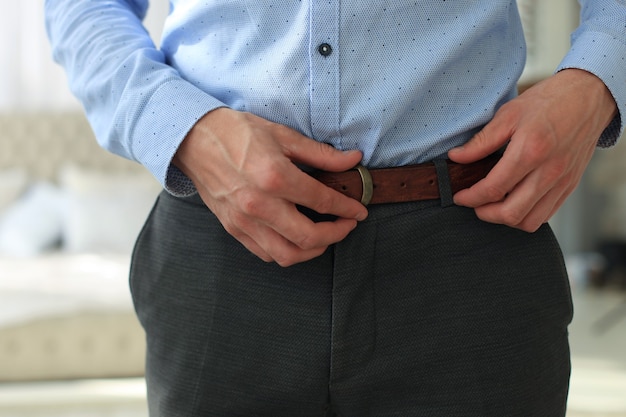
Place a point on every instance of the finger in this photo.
(493, 136)
(286, 181)
(321, 234)
(302, 232)
(510, 211)
(243, 237)
(284, 233)
(254, 248)
(553, 185)
(304, 190)
(557, 205)
(527, 207)
(540, 213)
(319, 155)
(268, 245)
(501, 180)
(279, 249)
(285, 253)
(288, 245)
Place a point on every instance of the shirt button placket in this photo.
(324, 71)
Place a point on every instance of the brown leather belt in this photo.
(404, 184)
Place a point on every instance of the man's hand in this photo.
(243, 167)
(552, 130)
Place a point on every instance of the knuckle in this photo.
(512, 216)
(538, 147)
(483, 217)
(535, 154)
(297, 256)
(250, 204)
(480, 137)
(326, 149)
(495, 192)
(530, 227)
(534, 228)
(270, 180)
(285, 259)
(305, 239)
(231, 229)
(235, 232)
(264, 257)
(237, 226)
(232, 222)
(556, 170)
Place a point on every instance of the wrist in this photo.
(197, 137)
(595, 90)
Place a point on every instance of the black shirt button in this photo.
(325, 49)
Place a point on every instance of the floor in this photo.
(598, 384)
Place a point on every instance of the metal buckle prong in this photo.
(368, 184)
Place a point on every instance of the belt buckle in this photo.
(367, 183)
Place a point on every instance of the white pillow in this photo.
(105, 212)
(12, 184)
(33, 223)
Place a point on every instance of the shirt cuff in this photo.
(604, 56)
(162, 126)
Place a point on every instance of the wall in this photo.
(547, 26)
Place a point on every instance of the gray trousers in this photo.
(423, 310)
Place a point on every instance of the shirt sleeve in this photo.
(599, 46)
(139, 107)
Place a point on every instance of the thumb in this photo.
(322, 155)
(492, 137)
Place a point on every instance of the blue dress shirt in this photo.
(402, 81)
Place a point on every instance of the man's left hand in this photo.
(551, 130)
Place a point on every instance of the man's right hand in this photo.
(243, 167)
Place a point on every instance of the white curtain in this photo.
(29, 79)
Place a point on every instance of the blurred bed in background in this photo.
(69, 215)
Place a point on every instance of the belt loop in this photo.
(443, 179)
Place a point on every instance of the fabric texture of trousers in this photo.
(423, 310)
